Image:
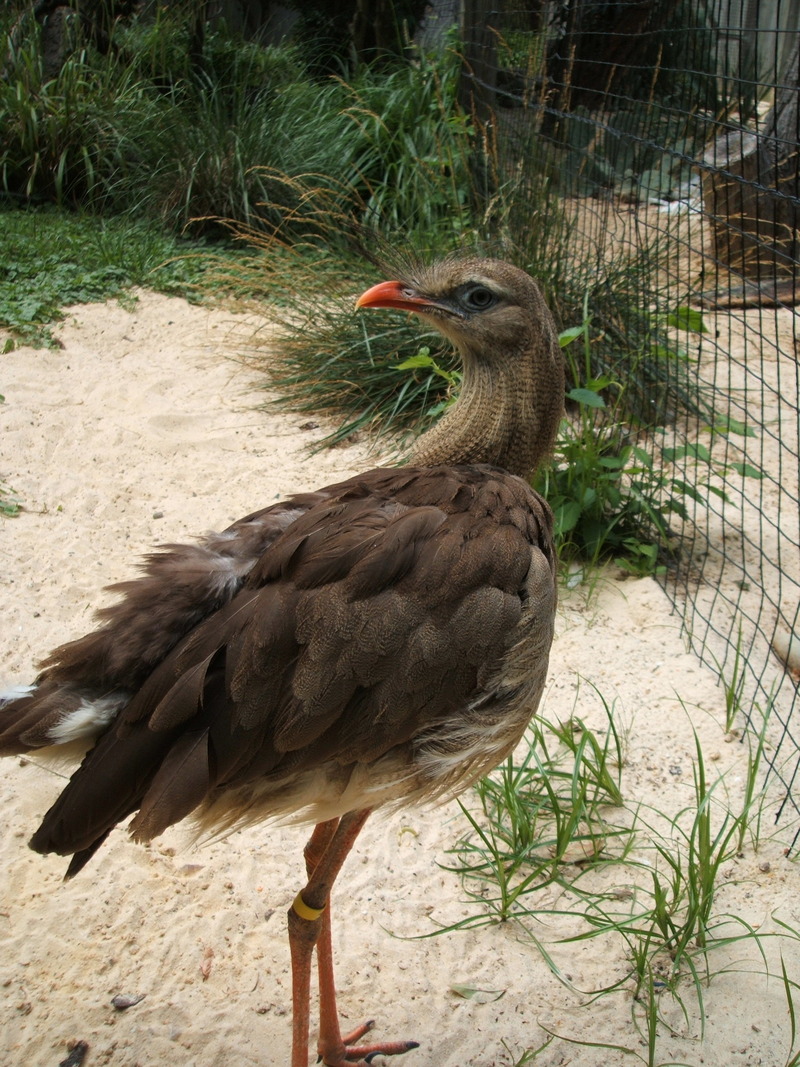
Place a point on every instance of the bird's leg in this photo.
(309, 924)
(331, 1041)
(325, 853)
(302, 935)
(314, 851)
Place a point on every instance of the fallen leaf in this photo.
(480, 996)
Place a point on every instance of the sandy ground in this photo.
(142, 429)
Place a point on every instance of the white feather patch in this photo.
(15, 692)
(89, 719)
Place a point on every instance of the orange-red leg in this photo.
(325, 853)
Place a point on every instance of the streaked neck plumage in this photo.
(508, 410)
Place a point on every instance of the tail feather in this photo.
(154, 757)
(80, 859)
(106, 788)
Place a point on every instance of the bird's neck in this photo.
(507, 413)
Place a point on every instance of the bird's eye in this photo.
(477, 297)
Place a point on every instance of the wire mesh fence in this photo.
(669, 130)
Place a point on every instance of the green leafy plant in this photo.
(9, 503)
(424, 362)
(413, 151)
(612, 485)
(65, 136)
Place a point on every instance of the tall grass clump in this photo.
(69, 138)
(234, 122)
(190, 131)
(388, 152)
(412, 149)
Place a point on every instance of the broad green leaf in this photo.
(747, 471)
(566, 337)
(596, 384)
(688, 490)
(669, 352)
(697, 451)
(587, 397)
(725, 424)
(643, 457)
(420, 360)
(678, 507)
(566, 515)
(686, 318)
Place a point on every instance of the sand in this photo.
(142, 429)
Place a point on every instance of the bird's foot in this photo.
(349, 1054)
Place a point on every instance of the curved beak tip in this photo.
(384, 294)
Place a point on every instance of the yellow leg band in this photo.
(304, 911)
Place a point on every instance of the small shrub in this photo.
(613, 485)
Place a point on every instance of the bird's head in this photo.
(486, 307)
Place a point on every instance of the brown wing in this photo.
(383, 607)
(181, 585)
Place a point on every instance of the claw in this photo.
(393, 1048)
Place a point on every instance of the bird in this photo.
(376, 643)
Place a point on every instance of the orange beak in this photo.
(394, 295)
